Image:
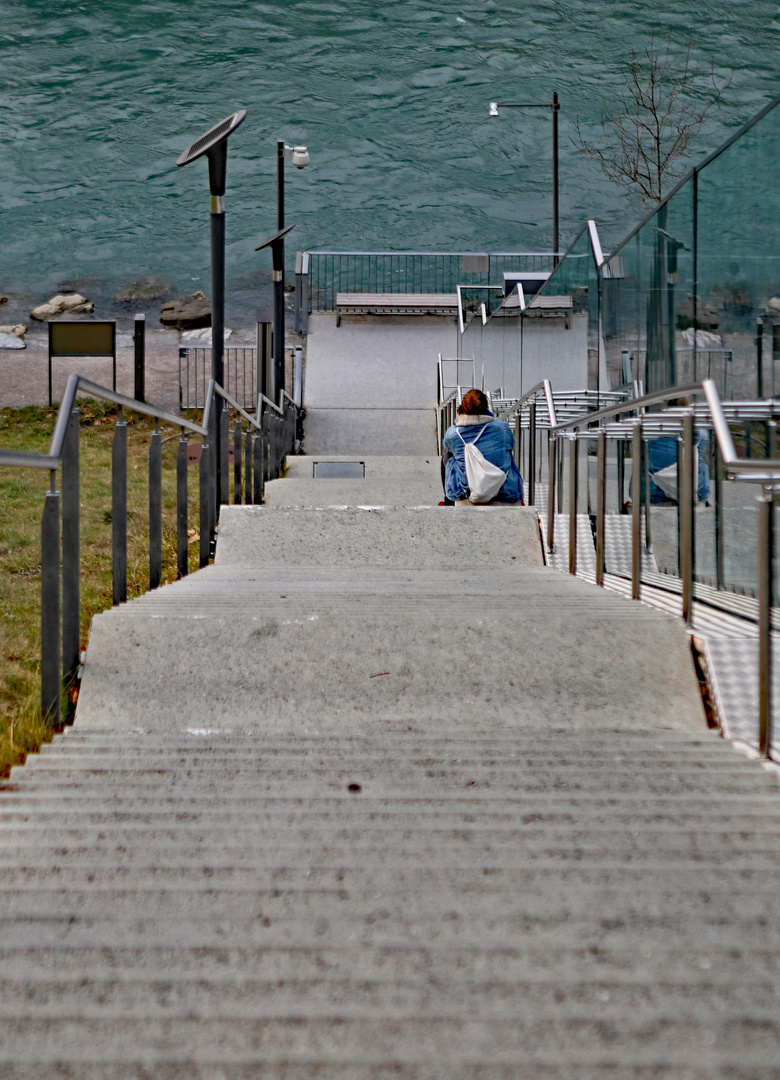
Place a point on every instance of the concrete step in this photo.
(747, 1038)
(438, 536)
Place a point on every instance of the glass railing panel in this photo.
(739, 256)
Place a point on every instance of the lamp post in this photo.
(555, 107)
(300, 159)
(276, 244)
(214, 145)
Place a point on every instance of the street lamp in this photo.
(276, 244)
(214, 145)
(555, 106)
(300, 159)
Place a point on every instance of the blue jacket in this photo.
(496, 444)
(662, 452)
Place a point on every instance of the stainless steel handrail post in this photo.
(258, 441)
(51, 643)
(552, 451)
(532, 453)
(601, 470)
(648, 527)
(71, 548)
(686, 494)
(573, 467)
(213, 444)
(720, 576)
(636, 511)
(119, 511)
(155, 508)
(224, 456)
(206, 488)
(237, 445)
(248, 466)
(766, 505)
(182, 538)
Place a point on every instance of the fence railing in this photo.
(259, 442)
(631, 422)
(241, 376)
(321, 275)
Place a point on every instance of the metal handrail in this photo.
(629, 405)
(641, 428)
(60, 533)
(234, 405)
(546, 387)
(77, 384)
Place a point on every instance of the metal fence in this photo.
(241, 380)
(635, 425)
(321, 275)
(260, 444)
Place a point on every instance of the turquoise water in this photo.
(98, 99)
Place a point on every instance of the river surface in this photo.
(97, 100)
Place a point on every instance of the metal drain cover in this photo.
(339, 470)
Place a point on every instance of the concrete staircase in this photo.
(380, 795)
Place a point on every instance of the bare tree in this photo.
(648, 131)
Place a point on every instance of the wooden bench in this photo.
(395, 304)
(557, 307)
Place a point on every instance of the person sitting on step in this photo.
(496, 442)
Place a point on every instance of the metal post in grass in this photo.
(182, 539)
(119, 511)
(71, 561)
(214, 146)
(155, 509)
(237, 445)
(205, 503)
(248, 454)
(51, 641)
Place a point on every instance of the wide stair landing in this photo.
(379, 794)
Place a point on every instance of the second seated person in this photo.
(496, 441)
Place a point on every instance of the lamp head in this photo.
(493, 108)
(214, 145)
(300, 157)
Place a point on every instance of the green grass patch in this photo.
(21, 504)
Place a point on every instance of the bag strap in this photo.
(473, 441)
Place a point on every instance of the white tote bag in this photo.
(485, 479)
(666, 479)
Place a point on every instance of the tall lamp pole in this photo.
(300, 159)
(276, 244)
(555, 107)
(214, 145)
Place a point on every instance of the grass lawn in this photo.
(21, 504)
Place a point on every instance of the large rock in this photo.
(11, 341)
(188, 313)
(72, 303)
(773, 306)
(15, 329)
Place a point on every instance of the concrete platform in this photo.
(371, 383)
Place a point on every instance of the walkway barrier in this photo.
(259, 447)
(632, 427)
(321, 275)
(241, 376)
